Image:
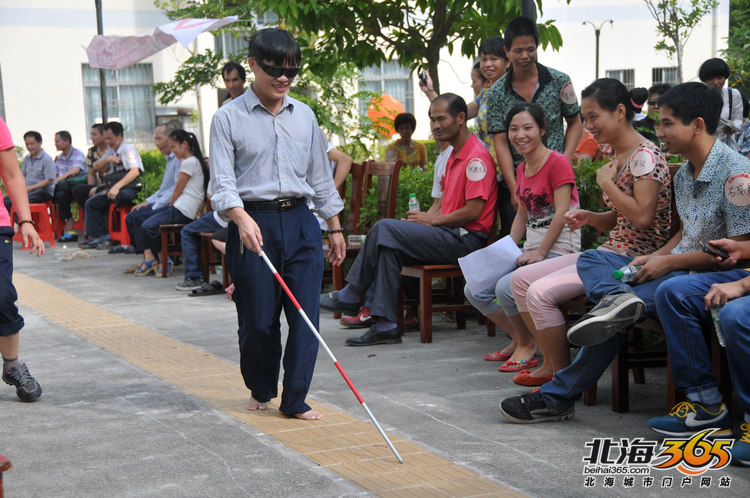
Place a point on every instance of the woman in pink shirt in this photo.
(15, 373)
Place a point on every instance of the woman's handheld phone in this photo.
(423, 76)
(717, 252)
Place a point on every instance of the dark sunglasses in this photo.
(276, 71)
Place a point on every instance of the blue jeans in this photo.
(683, 316)
(191, 243)
(595, 269)
(150, 228)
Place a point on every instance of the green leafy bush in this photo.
(154, 163)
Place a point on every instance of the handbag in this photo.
(112, 178)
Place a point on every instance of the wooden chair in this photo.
(171, 244)
(211, 258)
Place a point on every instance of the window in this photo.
(664, 75)
(2, 99)
(129, 100)
(229, 45)
(626, 76)
(391, 78)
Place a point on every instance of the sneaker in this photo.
(189, 284)
(27, 388)
(531, 408)
(105, 243)
(373, 337)
(613, 314)
(687, 418)
(68, 237)
(332, 302)
(741, 448)
(361, 320)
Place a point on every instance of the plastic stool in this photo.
(41, 213)
(118, 230)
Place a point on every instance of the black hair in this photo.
(477, 67)
(745, 105)
(233, 66)
(659, 89)
(114, 127)
(35, 134)
(98, 127)
(520, 26)
(609, 93)
(693, 100)
(536, 111)
(275, 45)
(712, 68)
(65, 135)
(493, 46)
(405, 118)
(182, 136)
(456, 104)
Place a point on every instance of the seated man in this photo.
(71, 171)
(82, 192)
(685, 305)
(123, 165)
(159, 200)
(38, 169)
(456, 224)
(689, 115)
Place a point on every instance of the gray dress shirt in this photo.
(256, 156)
(41, 167)
(161, 197)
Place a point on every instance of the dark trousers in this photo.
(64, 195)
(35, 196)
(506, 213)
(97, 210)
(393, 244)
(191, 243)
(10, 321)
(81, 194)
(291, 240)
(133, 222)
(150, 228)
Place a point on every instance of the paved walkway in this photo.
(143, 397)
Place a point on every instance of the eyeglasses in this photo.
(652, 103)
(277, 71)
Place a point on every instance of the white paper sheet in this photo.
(484, 267)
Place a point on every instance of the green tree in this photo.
(675, 24)
(738, 44)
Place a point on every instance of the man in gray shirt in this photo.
(39, 170)
(267, 160)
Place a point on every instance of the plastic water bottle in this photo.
(626, 273)
(413, 202)
(719, 334)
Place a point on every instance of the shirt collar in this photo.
(708, 173)
(543, 74)
(38, 156)
(463, 154)
(252, 100)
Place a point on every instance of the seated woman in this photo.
(635, 186)
(546, 190)
(406, 149)
(187, 198)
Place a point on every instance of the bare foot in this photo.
(309, 415)
(523, 353)
(542, 372)
(255, 405)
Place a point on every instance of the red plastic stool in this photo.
(41, 213)
(58, 225)
(5, 466)
(117, 228)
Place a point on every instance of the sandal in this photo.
(497, 356)
(207, 289)
(518, 366)
(160, 272)
(150, 268)
(524, 379)
(132, 269)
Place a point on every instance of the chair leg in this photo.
(425, 308)
(337, 273)
(589, 396)
(638, 375)
(164, 255)
(457, 289)
(620, 381)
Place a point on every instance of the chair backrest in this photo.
(387, 185)
(357, 173)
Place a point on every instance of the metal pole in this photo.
(528, 9)
(102, 77)
(597, 32)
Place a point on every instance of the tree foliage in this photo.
(738, 44)
(675, 24)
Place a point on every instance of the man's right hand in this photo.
(732, 247)
(141, 205)
(577, 218)
(249, 232)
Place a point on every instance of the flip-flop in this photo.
(524, 379)
(517, 366)
(497, 356)
(211, 289)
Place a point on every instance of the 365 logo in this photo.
(695, 455)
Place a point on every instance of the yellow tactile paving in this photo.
(343, 444)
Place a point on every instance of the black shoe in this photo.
(105, 244)
(89, 243)
(613, 313)
(531, 408)
(372, 337)
(27, 388)
(332, 302)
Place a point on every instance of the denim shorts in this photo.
(10, 321)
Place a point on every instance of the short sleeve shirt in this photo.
(75, 159)
(717, 204)
(469, 174)
(193, 195)
(537, 194)
(554, 93)
(129, 158)
(647, 162)
(439, 171)
(417, 157)
(6, 142)
(39, 168)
